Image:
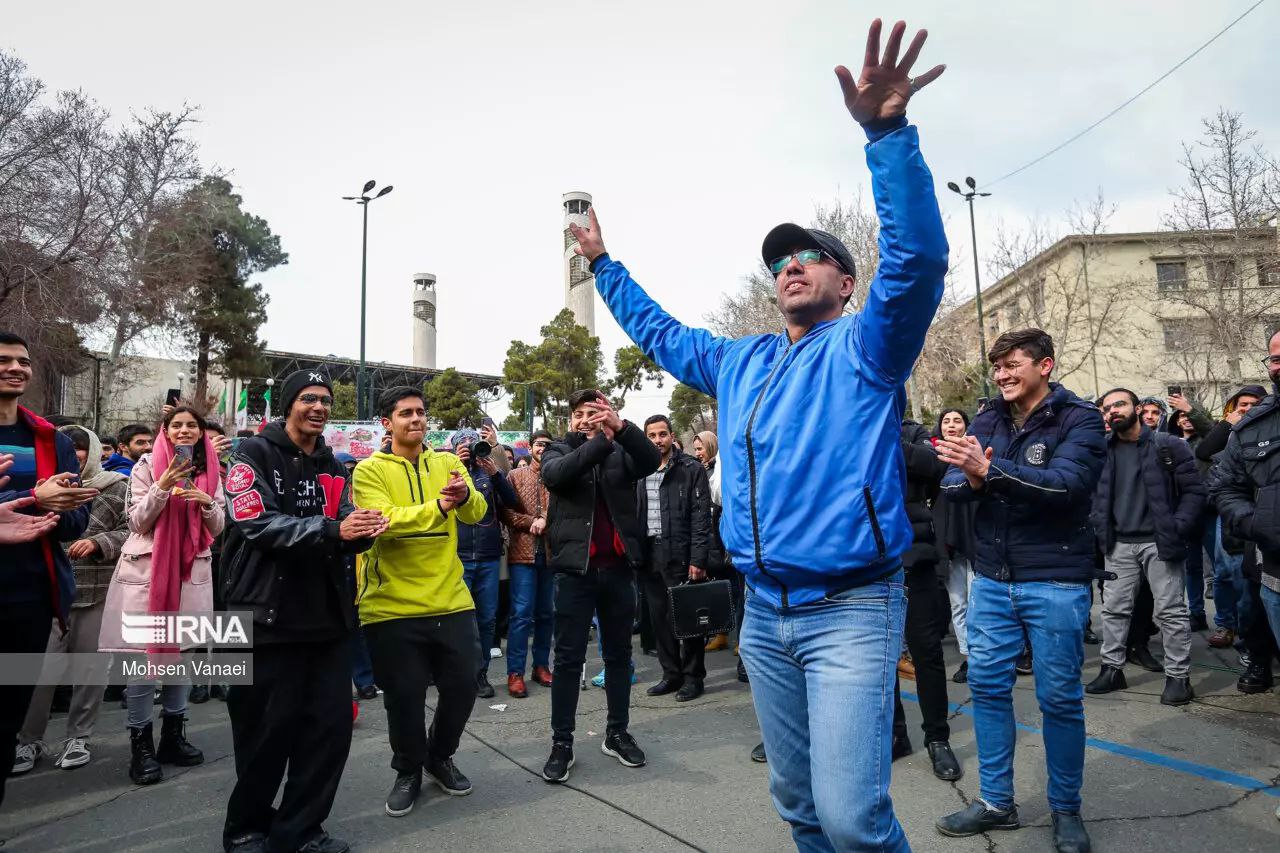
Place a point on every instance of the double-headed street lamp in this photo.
(362, 381)
(977, 282)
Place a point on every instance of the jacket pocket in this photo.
(1262, 529)
(874, 520)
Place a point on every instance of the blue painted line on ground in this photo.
(1156, 759)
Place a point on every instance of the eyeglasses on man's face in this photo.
(311, 399)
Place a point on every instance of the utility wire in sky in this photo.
(1152, 85)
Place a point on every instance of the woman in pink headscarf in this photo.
(165, 567)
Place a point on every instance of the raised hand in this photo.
(60, 494)
(177, 471)
(602, 414)
(454, 493)
(885, 85)
(590, 243)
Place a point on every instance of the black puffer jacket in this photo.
(283, 556)
(573, 469)
(1245, 483)
(686, 515)
(924, 474)
(1175, 493)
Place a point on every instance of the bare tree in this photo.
(753, 308)
(1219, 270)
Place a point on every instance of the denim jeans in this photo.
(1271, 604)
(822, 679)
(361, 666)
(1053, 615)
(1194, 566)
(482, 579)
(1228, 584)
(532, 609)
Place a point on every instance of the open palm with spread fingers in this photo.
(885, 85)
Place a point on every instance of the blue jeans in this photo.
(481, 578)
(532, 608)
(1271, 604)
(1193, 565)
(822, 679)
(1228, 585)
(1053, 615)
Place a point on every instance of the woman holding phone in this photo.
(175, 508)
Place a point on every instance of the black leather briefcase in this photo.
(701, 609)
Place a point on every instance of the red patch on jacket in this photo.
(246, 507)
(332, 487)
(240, 478)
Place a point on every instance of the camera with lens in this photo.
(481, 450)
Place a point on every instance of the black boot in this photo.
(483, 688)
(143, 767)
(1141, 655)
(1109, 679)
(901, 746)
(962, 674)
(1069, 835)
(1177, 691)
(1255, 679)
(174, 747)
(945, 765)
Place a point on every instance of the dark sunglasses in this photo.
(311, 399)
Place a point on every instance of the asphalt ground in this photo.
(1203, 777)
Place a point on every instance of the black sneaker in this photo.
(962, 674)
(448, 778)
(325, 843)
(1199, 622)
(622, 746)
(404, 793)
(742, 672)
(483, 688)
(1069, 835)
(758, 756)
(369, 691)
(559, 764)
(251, 842)
(976, 819)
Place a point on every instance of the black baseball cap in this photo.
(789, 237)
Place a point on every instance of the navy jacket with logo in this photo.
(1032, 522)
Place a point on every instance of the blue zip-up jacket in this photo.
(799, 522)
(482, 541)
(1032, 522)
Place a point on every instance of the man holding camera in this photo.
(480, 543)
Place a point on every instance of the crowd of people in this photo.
(385, 575)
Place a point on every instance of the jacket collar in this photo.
(1144, 435)
(1057, 398)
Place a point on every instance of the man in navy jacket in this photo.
(820, 539)
(1031, 460)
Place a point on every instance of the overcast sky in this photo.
(696, 126)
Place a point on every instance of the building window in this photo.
(1221, 273)
(1185, 335)
(1269, 272)
(1171, 275)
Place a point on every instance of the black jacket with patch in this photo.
(1245, 483)
(284, 557)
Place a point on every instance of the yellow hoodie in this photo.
(413, 569)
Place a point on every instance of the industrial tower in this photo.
(424, 320)
(579, 283)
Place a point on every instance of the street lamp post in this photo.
(977, 281)
(362, 380)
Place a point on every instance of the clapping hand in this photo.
(60, 493)
(363, 524)
(967, 454)
(454, 493)
(17, 527)
(885, 85)
(603, 415)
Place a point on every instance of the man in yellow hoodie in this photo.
(417, 615)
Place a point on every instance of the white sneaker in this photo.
(495, 652)
(74, 754)
(27, 756)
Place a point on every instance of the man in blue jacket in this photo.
(1031, 460)
(37, 584)
(824, 616)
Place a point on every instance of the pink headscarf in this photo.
(180, 534)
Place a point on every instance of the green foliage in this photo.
(512, 423)
(959, 390)
(632, 368)
(344, 401)
(691, 410)
(452, 399)
(568, 359)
